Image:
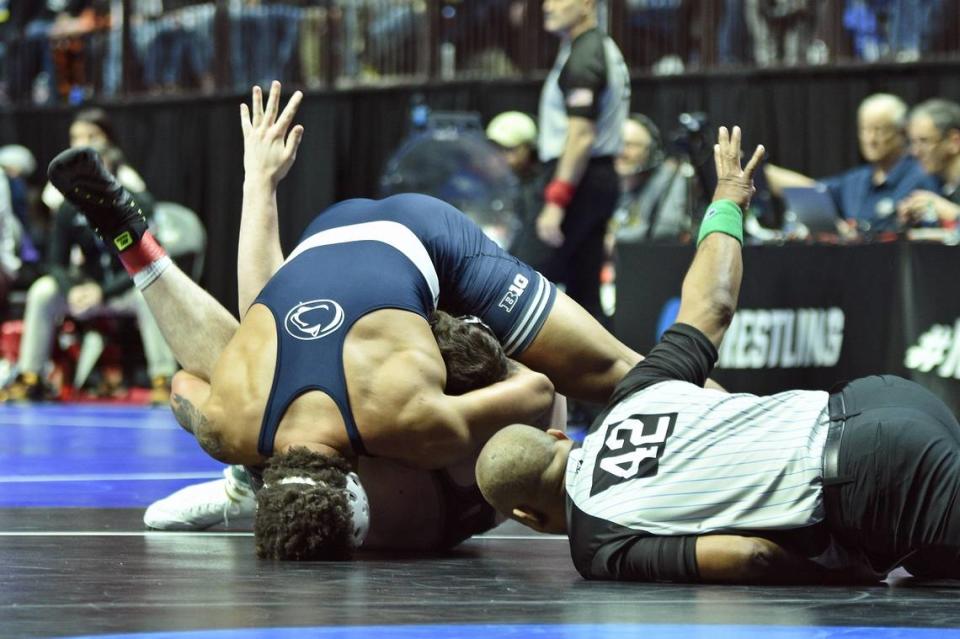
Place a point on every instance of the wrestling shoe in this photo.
(110, 208)
(27, 387)
(160, 390)
(228, 501)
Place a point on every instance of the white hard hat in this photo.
(512, 128)
(18, 157)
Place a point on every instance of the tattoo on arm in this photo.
(185, 412)
(194, 421)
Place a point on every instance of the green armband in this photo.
(722, 216)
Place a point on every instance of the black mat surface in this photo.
(86, 571)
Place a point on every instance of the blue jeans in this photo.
(262, 42)
(733, 39)
(35, 58)
(174, 45)
(908, 24)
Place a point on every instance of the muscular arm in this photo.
(581, 133)
(189, 395)
(259, 254)
(693, 559)
(192, 419)
(268, 154)
(736, 559)
(712, 285)
(448, 428)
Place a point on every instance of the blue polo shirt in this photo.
(857, 197)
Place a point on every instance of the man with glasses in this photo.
(867, 195)
(934, 133)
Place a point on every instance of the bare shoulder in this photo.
(239, 389)
(206, 422)
(394, 372)
(392, 348)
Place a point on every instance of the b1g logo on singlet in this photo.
(632, 449)
(313, 319)
(514, 292)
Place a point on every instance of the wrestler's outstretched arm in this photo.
(268, 154)
(582, 359)
(711, 287)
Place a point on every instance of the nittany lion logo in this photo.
(314, 319)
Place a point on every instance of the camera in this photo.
(690, 138)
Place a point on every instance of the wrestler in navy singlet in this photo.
(409, 252)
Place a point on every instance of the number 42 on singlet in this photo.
(631, 449)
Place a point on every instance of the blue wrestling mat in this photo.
(95, 456)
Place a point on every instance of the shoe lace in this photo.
(235, 494)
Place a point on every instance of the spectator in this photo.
(9, 236)
(583, 105)
(515, 134)
(18, 164)
(263, 39)
(654, 191)
(313, 50)
(782, 30)
(733, 39)
(74, 47)
(909, 28)
(84, 279)
(31, 56)
(481, 34)
(184, 43)
(660, 34)
(899, 29)
(934, 132)
(943, 28)
(174, 42)
(92, 127)
(866, 195)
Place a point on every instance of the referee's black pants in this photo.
(577, 262)
(897, 496)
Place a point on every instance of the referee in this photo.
(583, 106)
(677, 483)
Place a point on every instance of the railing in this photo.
(230, 44)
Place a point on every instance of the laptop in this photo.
(813, 207)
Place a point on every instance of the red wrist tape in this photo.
(560, 193)
(142, 254)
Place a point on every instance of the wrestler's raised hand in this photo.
(734, 183)
(268, 151)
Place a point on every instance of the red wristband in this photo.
(142, 254)
(560, 193)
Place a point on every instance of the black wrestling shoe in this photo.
(111, 210)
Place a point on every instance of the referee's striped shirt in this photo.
(730, 461)
(670, 458)
(589, 79)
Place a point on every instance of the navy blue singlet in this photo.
(406, 252)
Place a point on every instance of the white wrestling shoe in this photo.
(221, 501)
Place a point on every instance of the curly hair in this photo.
(473, 356)
(299, 521)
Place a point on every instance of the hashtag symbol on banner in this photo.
(931, 350)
